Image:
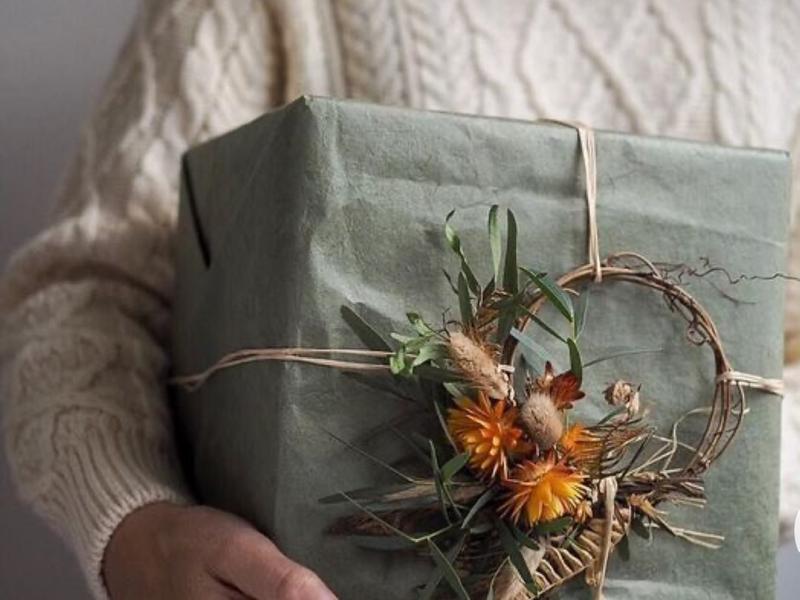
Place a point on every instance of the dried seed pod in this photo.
(542, 420)
(477, 365)
(623, 393)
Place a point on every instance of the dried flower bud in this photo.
(542, 420)
(624, 393)
(477, 366)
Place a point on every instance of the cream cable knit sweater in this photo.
(87, 303)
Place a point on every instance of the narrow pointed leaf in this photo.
(365, 332)
(436, 577)
(464, 302)
(495, 241)
(624, 549)
(575, 363)
(482, 501)
(619, 352)
(524, 539)
(553, 527)
(531, 350)
(419, 324)
(510, 274)
(450, 234)
(428, 352)
(449, 573)
(454, 465)
(511, 547)
(581, 310)
(454, 241)
(536, 319)
(553, 292)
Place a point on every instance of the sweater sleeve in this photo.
(86, 304)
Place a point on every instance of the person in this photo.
(86, 304)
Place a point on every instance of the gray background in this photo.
(54, 57)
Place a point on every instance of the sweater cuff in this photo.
(105, 477)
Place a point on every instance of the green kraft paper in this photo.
(326, 203)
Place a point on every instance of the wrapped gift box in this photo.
(327, 203)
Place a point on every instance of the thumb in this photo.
(254, 565)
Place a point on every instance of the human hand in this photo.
(173, 552)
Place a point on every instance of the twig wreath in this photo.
(513, 500)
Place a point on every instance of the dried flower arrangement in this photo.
(516, 497)
(516, 502)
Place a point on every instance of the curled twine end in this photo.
(770, 386)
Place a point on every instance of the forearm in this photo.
(86, 305)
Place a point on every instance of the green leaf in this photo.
(464, 302)
(495, 241)
(524, 539)
(531, 350)
(436, 577)
(419, 324)
(619, 352)
(452, 237)
(581, 310)
(624, 549)
(428, 352)
(440, 488)
(553, 292)
(397, 362)
(617, 411)
(642, 530)
(365, 332)
(454, 241)
(443, 424)
(482, 501)
(511, 547)
(398, 532)
(457, 390)
(575, 364)
(454, 465)
(536, 319)
(553, 527)
(436, 374)
(449, 573)
(368, 456)
(450, 281)
(510, 274)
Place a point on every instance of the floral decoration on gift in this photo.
(511, 495)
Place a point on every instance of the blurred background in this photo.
(54, 57)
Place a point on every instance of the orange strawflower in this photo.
(572, 438)
(488, 432)
(580, 446)
(543, 490)
(563, 389)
